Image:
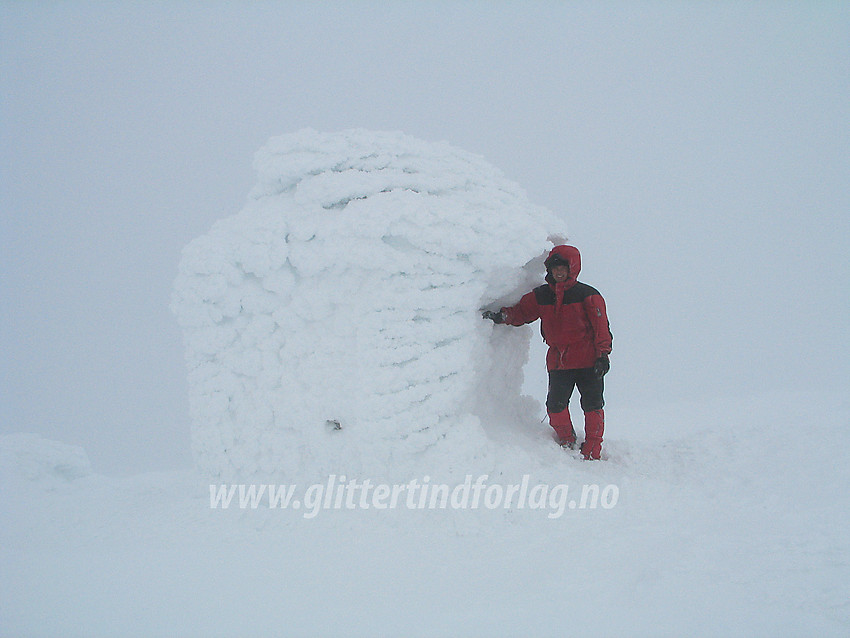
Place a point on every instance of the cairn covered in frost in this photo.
(334, 326)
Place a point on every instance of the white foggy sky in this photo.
(698, 153)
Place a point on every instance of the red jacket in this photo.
(573, 319)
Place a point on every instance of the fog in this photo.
(697, 152)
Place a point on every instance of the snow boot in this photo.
(566, 443)
(565, 434)
(594, 426)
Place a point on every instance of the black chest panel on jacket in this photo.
(576, 293)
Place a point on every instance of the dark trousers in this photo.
(562, 383)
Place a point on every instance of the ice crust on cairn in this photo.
(333, 326)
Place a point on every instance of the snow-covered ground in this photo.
(730, 520)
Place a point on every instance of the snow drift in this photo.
(31, 457)
(333, 325)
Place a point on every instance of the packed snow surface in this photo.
(334, 324)
(723, 527)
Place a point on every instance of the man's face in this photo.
(560, 273)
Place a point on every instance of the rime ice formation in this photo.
(334, 326)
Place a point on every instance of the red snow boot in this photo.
(565, 435)
(594, 426)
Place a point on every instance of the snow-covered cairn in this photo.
(334, 325)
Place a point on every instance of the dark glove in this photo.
(495, 317)
(602, 365)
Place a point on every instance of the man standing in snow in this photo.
(574, 324)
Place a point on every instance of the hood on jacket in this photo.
(564, 254)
